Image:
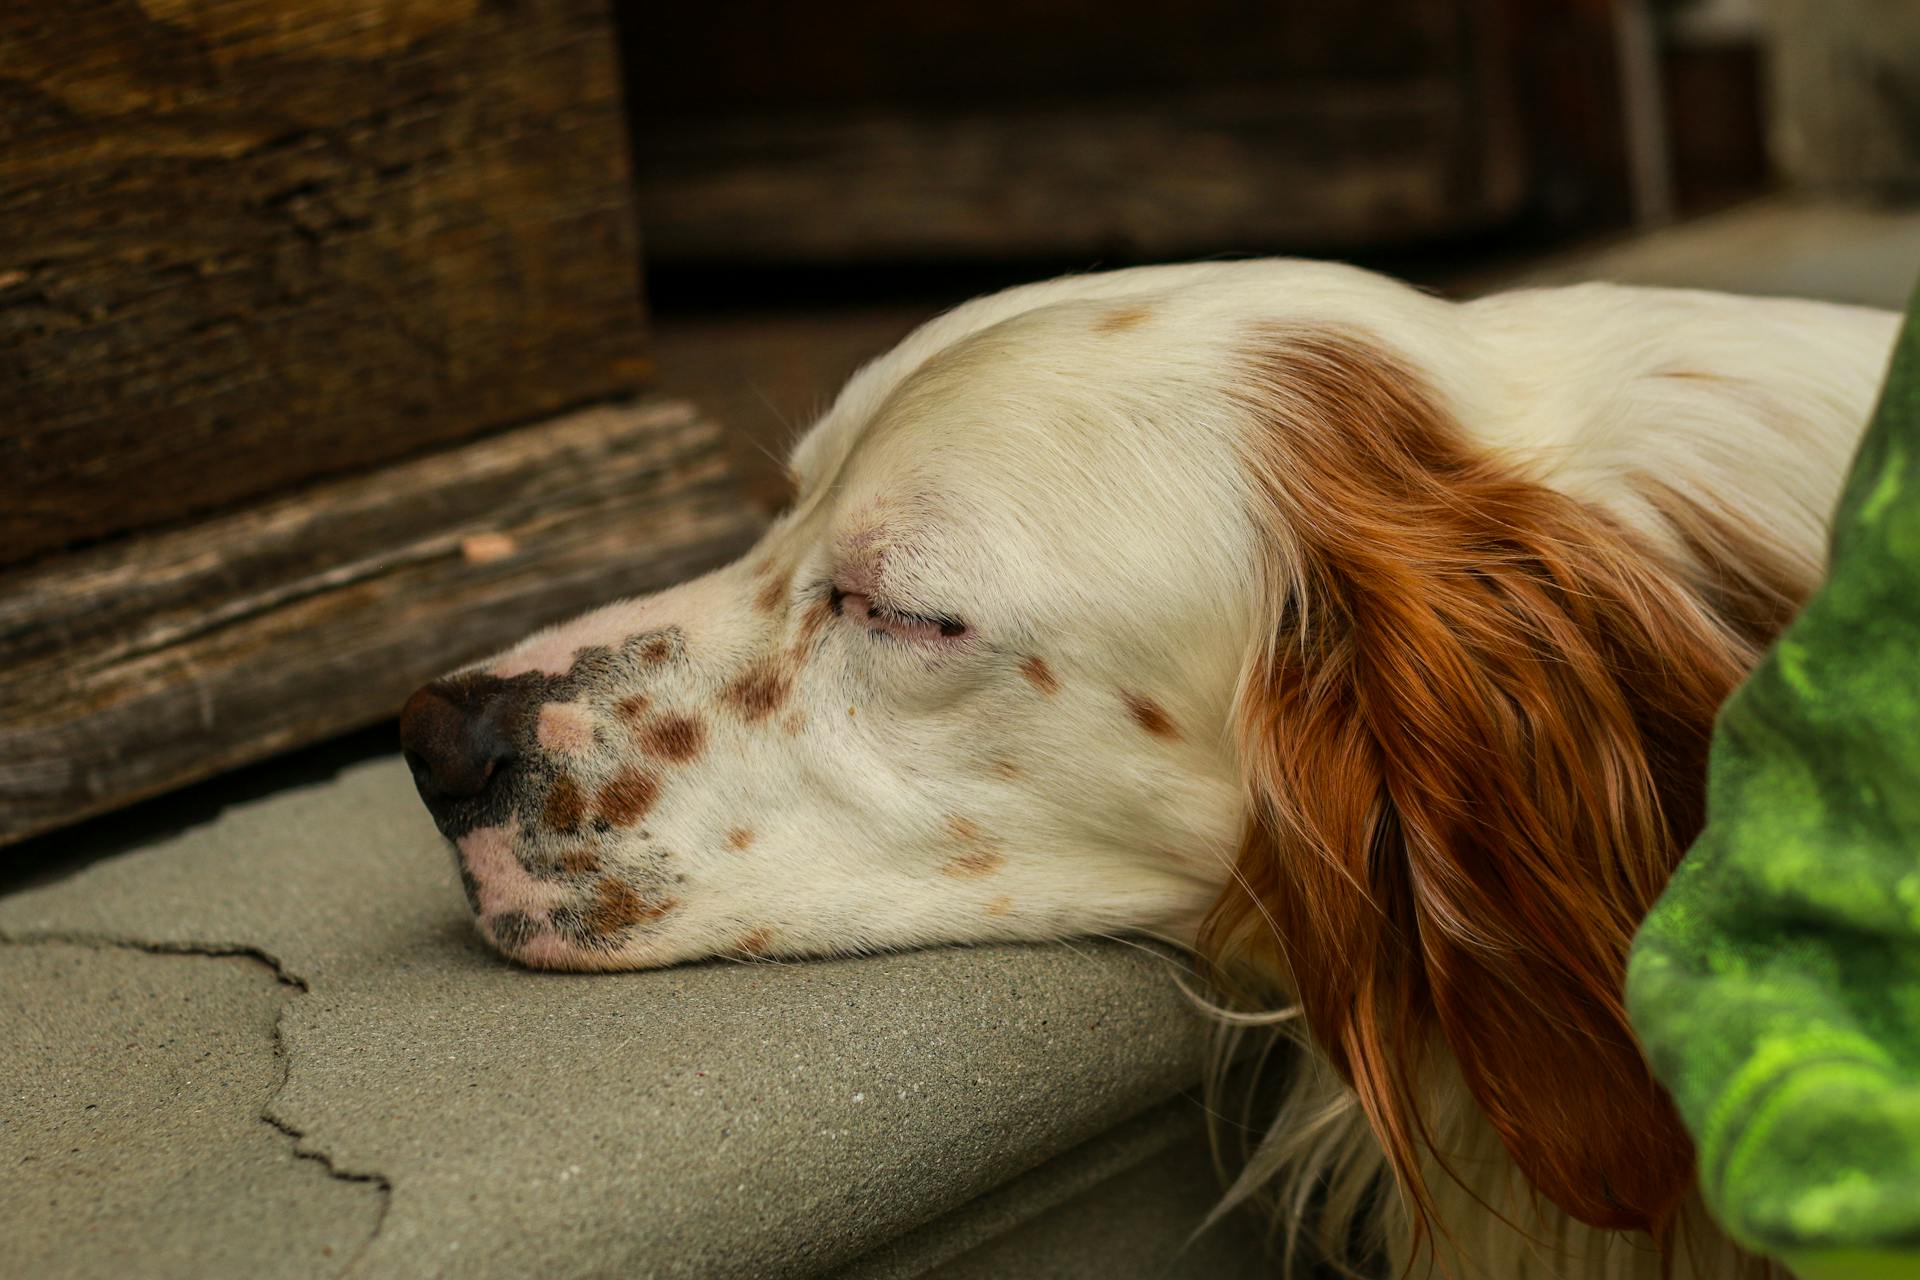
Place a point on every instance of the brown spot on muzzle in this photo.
(627, 796)
(974, 862)
(633, 709)
(1150, 715)
(771, 596)
(739, 838)
(760, 690)
(618, 905)
(980, 856)
(1040, 675)
(565, 806)
(677, 738)
(815, 620)
(1122, 319)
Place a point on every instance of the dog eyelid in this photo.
(895, 624)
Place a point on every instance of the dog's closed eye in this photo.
(883, 620)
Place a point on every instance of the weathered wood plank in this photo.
(244, 243)
(774, 53)
(1320, 166)
(138, 665)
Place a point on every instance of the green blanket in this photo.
(1776, 985)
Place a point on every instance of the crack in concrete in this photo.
(281, 1052)
(245, 951)
(301, 1151)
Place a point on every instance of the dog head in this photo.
(974, 684)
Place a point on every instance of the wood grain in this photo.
(139, 665)
(754, 54)
(244, 243)
(1307, 167)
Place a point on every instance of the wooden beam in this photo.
(248, 243)
(1307, 167)
(136, 666)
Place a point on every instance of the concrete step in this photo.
(272, 1045)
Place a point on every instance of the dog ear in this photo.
(1475, 746)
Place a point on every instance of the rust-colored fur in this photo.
(1477, 747)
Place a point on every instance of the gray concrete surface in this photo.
(725, 1119)
(131, 1140)
(1787, 246)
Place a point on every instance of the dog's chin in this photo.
(549, 951)
(578, 937)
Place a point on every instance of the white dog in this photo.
(1366, 642)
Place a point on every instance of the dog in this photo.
(1364, 642)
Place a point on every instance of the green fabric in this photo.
(1776, 984)
(1855, 1264)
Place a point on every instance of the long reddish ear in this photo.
(1476, 748)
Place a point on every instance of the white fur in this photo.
(1067, 480)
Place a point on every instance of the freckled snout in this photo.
(457, 736)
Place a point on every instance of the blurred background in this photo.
(343, 341)
(809, 189)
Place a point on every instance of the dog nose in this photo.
(457, 737)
